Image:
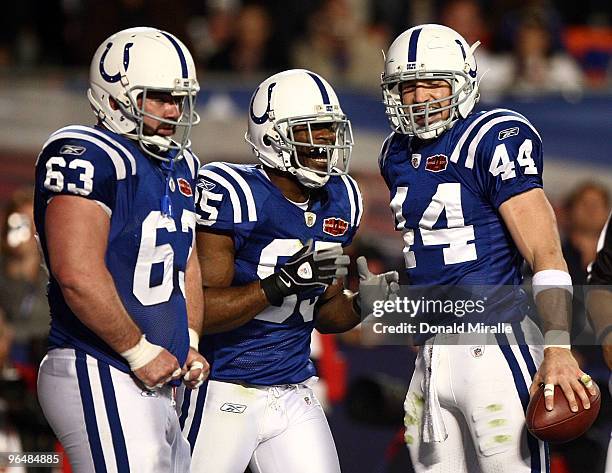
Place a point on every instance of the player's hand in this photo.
(159, 371)
(307, 269)
(196, 369)
(374, 287)
(561, 369)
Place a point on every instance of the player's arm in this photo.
(225, 307)
(599, 297)
(335, 310)
(77, 232)
(196, 365)
(531, 221)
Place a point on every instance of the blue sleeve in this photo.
(71, 166)
(382, 157)
(509, 159)
(357, 205)
(214, 205)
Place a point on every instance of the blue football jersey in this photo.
(147, 252)
(445, 196)
(274, 347)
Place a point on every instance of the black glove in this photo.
(307, 269)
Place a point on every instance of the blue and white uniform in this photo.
(445, 197)
(258, 402)
(113, 424)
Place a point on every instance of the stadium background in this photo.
(548, 60)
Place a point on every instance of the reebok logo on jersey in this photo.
(184, 187)
(507, 133)
(305, 271)
(72, 149)
(207, 185)
(436, 163)
(335, 226)
(233, 408)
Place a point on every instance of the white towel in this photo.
(432, 425)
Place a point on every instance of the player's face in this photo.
(311, 156)
(422, 91)
(164, 105)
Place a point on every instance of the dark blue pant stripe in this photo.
(110, 402)
(197, 416)
(185, 407)
(524, 348)
(523, 392)
(89, 412)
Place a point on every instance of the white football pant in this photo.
(483, 392)
(107, 423)
(278, 429)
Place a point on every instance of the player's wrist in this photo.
(557, 339)
(549, 279)
(141, 354)
(194, 339)
(274, 289)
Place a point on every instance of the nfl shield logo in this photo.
(416, 160)
(310, 218)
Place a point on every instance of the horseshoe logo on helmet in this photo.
(266, 115)
(126, 62)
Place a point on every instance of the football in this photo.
(560, 424)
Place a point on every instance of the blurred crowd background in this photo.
(550, 60)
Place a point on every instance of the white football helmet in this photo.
(133, 63)
(431, 52)
(298, 97)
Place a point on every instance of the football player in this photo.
(271, 240)
(115, 214)
(599, 304)
(466, 192)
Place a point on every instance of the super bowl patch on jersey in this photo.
(335, 226)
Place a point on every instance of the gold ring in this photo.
(586, 380)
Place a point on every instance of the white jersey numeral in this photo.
(202, 198)
(501, 163)
(54, 178)
(267, 264)
(149, 254)
(400, 224)
(524, 158)
(457, 235)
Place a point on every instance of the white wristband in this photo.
(549, 278)
(194, 339)
(141, 353)
(557, 339)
